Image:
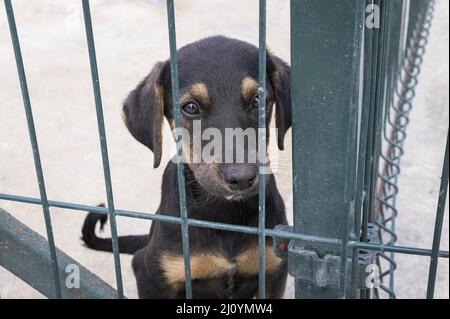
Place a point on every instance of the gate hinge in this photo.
(305, 264)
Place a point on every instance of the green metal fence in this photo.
(352, 91)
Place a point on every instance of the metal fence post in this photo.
(325, 51)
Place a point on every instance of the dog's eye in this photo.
(190, 108)
(255, 101)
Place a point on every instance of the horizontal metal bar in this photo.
(172, 219)
(396, 249)
(225, 227)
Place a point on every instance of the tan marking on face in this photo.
(159, 96)
(249, 88)
(172, 124)
(203, 266)
(198, 92)
(277, 87)
(215, 169)
(247, 262)
(208, 175)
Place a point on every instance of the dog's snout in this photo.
(240, 177)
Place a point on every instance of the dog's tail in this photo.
(127, 244)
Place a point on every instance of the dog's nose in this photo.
(240, 177)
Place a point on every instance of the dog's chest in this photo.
(213, 265)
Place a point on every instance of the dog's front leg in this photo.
(151, 283)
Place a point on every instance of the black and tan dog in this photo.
(218, 85)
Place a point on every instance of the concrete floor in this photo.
(130, 37)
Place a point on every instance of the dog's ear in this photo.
(280, 74)
(143, 111)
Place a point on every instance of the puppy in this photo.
(218, 80)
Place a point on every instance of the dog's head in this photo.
(218, 85)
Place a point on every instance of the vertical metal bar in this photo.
(370, 93)
(322, 48)
(438, 227)
(103, 143)
(180, 167)
(375, 128)
(262, 149)
(34, 144)
(351, 147)
(379, 106)
(366, 112)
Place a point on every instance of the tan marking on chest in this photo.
(203, 266)
(210, 265)
(247, 262)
